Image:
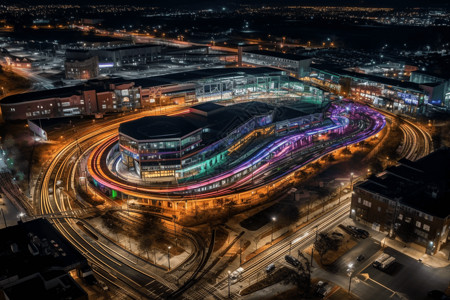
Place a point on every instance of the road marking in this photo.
(392, 291)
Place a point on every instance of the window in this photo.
(426, 227)
(379, 209)
(408, 220)
(428, 217)
(418, 224)
(13, 109)
(400, 217)
(367, 203)
(359, 199)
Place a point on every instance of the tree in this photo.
(326, 243)
(301, 277)
(256, 239)
(346, 151)
(331, 157)
(149, 232)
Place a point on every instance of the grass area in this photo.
(12, 82)
(275, 277)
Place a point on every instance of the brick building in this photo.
(410, 201)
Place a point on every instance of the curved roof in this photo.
(158, 127)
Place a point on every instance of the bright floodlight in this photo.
(274, 219)
(350, 266)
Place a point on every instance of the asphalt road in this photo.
(411, 278)
(367, 247)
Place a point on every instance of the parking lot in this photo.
(409, 277)
(367, 247)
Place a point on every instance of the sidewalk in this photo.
(273, 290)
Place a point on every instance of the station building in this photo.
(98, 97)
(81, 69)
(390, 93)
(170, 148)
(111, 57)
(296, 65)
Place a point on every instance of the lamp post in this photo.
(175, 228)
(350, 274)
(312, 249)
(168, 255)
(240, 252)
(351, 182)
(340, 192)
(229, 284)
(273, 225)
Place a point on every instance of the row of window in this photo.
(406, 208)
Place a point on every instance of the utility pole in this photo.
(273, 225)
(168, 256)
(229, 284)
(312, 249)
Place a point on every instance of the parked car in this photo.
(292, 260)
(270, 268)
(380, 259)
(364, 233)
(360, 257)
(323, 289)
(235, 275)
(358, 232)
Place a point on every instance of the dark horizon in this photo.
(205, 4)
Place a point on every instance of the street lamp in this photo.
(240, 252)
(351, 182)
(312, 249)
(273, 225)
(229, 284)
(168, 255)
(350, 274)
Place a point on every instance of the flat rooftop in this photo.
(54, 251)
(100, 84)
(423, 184)
(279, 54)
(158, 127)
(334, 70)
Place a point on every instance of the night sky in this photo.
(231, 3)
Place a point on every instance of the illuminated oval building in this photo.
(201, 141)
(213, 156)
